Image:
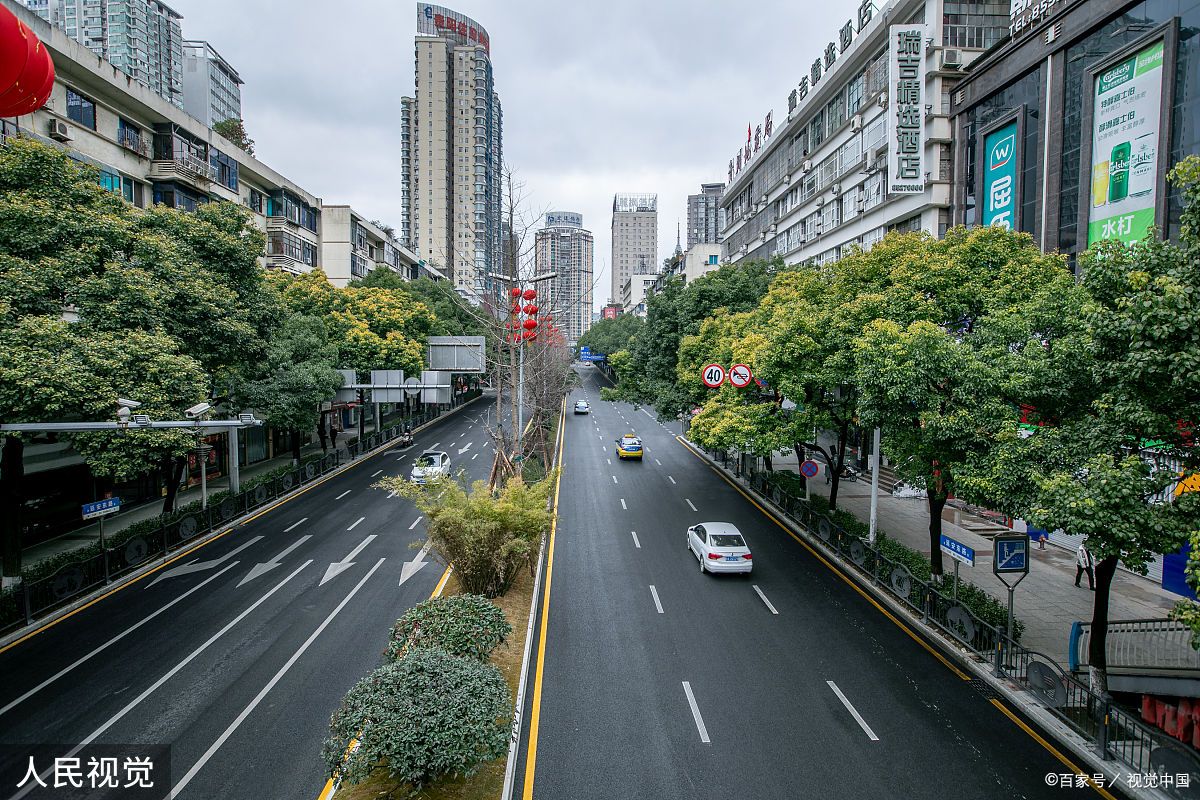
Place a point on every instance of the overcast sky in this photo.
(598, 98)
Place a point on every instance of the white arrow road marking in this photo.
(114, 719)
(765, 600)
(200, 566)
(360, 519)
(115, 639)
(689, 502)
(266, 566)
(862, 723)
(338, 567)
(295, 524)
(233, 726)
(691, 698)
(415, 521)
(465, 449)
(411, 568)
(343, 494)
(636, 543)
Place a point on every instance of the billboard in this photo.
(610, 312)
(457, 353)
(439, 21)
(1000, 177)
(1126, 113)
(906, 109)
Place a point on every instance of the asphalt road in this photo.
(662, 682)
(237, 659)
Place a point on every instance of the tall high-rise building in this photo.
(406, 121)
(565, 247)
(703, 214)
(634, 238)
(212, 89)
(142, 38)
(455, 152)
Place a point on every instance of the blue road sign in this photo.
(591, 357)
(957, 550)
(1011, 554)
(109, 505)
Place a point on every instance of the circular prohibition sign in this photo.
(713, 375)
(740, 375)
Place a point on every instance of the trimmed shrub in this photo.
(425, 716)
(467, 625)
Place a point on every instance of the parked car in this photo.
(581, 407)
(720, 547)
(430, 464)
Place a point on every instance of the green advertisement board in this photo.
(1125, 126)
(999, 201)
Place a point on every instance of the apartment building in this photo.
(566, 248)
(634, 239)
(212, 88)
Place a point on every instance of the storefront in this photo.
(1066, 131)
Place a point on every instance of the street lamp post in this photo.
(520, 389)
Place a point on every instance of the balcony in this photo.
(184, 168)
(134, 142)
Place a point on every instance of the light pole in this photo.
(516, 295)
(197, 413)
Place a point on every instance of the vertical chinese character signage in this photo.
(999, 199)
(1125, 123)
(906, 111)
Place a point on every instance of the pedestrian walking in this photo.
(1084, 563)
(1042, 540)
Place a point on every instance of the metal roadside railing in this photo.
(33, 599)
(1116, 733)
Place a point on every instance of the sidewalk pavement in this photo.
(1047, 600)
(85, 535)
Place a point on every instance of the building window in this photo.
(110, 181)
(81, 109)
(854, 94)
(225, 169)
(256, 201)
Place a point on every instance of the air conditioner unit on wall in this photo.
(820, 202)
(856, 122)
(836, 189)
(883, 100)
(787, 179)
(951, 59)
(59, 130)
(806, 166)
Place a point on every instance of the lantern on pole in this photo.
(529, 294)
(26, 69)
(515, 292)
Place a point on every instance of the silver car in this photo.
(430, 464)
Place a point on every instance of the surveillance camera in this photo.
(123, 415)
(197, 410)
(123, 403)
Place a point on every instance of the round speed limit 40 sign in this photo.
(713, 375)
(740, 375)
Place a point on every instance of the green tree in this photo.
(609, 336)
(298, 374)
(234, 130)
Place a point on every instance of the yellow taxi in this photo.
(629, 446)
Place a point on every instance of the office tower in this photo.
(566, 248)
(212, 89)
(142, 38)
(703, 213)
(634, 238)
(455, 152)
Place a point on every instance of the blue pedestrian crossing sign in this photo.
(1010, 554)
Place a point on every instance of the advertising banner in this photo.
(1125, 126)
(999, 200)
(906, 109)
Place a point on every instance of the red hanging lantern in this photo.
(530, 335)
(26, 69)
(529, 294)
(516, 309)
(514, 291)
(530, 324)
(530, 308)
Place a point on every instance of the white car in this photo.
(581, 407)
(720, 547)
(430, 464)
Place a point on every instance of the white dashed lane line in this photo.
(763, 597)
(295, 524)
(418, 519)
(657, 602)
(343, 494)
(690, 505)
(636, 543)
(623, 504)
(356, 523)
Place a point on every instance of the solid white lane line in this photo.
(233, 726)
(343, 494)
(614, 477)
(691, 698)
(689, 502)
(115, 718)
(114, 640)
(765, 600)
(636, 543)
(376, 472)
(295, 524)
(415, 521)
(623, 504)
(862, 723)
(672, 480)
(657, 603)
(360, 519)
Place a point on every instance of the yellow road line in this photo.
(178, 556)
(1053, 750)
(535, 714)
(1015, 719)
(849, 581)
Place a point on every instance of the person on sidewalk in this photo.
(1042, 540)
(1084, 563)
